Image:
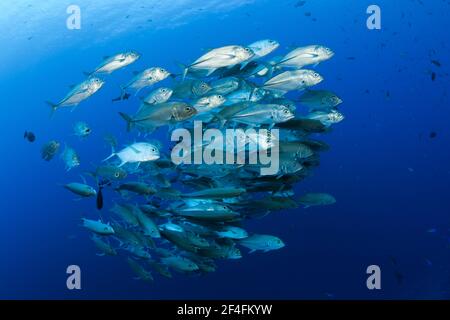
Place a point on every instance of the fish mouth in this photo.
(290, 117)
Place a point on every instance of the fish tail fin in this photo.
(128, 119)
(185, 70)
(53, 107)
(113, 153)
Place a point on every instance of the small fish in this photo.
(320, 100)
(261, 242)
(433, 76)
(263, 114)
(316, 199)
(436, 63)
(81, 189)
(263, 48)
(293, 80)
(149, 227)
(209, 103)
(148, 119)
(98, 227)
(109, 172)
(116, 62)
(70, 158)
(99, 200)
(327, 118)
(49, 150)
(159, 95)
(232, 232)
(139, 270)
(144, 79)
(304, 56)
(136, 153)
(28, 135)
(191, 89)
(433, 135)
(81, 129)
(224, 86)
(103, 246)
(218, 58)
(180, 264)
(78, 93)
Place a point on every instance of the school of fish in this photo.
(168, 217)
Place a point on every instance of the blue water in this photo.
(391, 180)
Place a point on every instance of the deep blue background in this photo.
(391, 180)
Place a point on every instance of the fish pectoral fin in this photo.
(251, 251)
(122, 164)
(100, 254)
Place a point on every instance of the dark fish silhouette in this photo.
(100, 198)
(433, 135)
(101, 184)
(30, 136)
(125, 96)
(436, 63)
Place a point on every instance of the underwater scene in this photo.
(240, 149)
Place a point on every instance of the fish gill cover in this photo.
(238, 139)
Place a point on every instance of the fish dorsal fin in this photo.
(106, 57)
(72, 86)
(136, 73)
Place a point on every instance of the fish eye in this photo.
(153, 149)
(163, 90)
(116, 175)
(187, 108)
